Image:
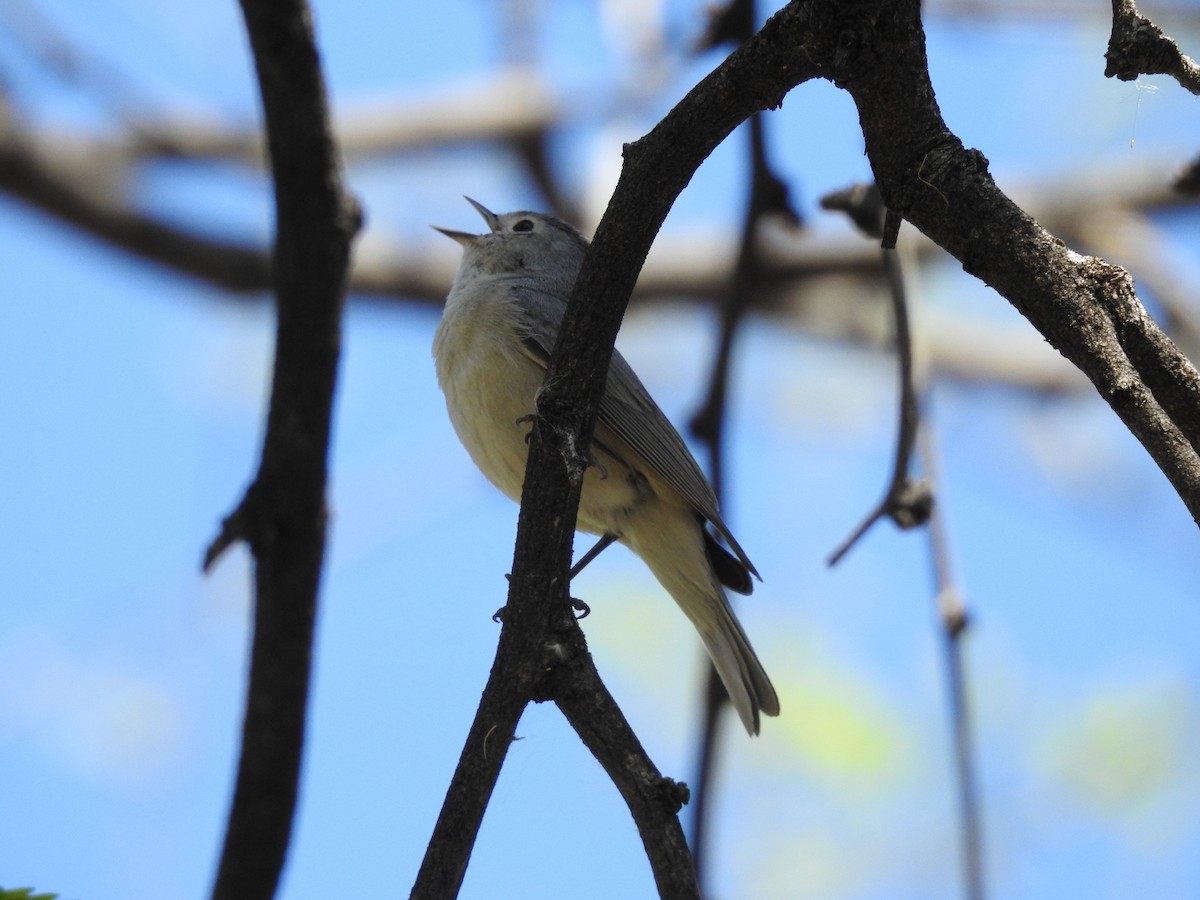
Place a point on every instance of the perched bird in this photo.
(644, 489)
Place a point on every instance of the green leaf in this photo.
(24, 894)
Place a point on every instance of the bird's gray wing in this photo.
(542, 314)
(629, 410)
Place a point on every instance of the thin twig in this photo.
(905, 501)
(653, 800)
(950, 607)
(953, 615)
(767, 196)
(910, 502)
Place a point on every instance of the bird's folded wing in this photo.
(629, 410)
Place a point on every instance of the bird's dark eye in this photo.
(524, 225)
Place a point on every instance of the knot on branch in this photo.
(561, 648)
(352, 215)
(558, 427)
(1138, 47)
(673, 794)
(862, 203)
(955, 618)
(939, 165)
(267, 514)
(912, 504)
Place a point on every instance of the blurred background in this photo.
(135, 342)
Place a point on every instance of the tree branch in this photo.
(955, 621)
(82, 197)
(1084, 307)
(654, 801)
(656, 169)
(282, 515)
(80, 182)
(909, 502)
(924, 175)
(906, 501)
(1138, 47)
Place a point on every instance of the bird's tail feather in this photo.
(676, 555)
(742, 674)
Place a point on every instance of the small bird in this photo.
(644, 488)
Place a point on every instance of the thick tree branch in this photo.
(656, 169)
(1084, 307)
(282, 515)
(1139, 47)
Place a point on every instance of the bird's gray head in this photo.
(521, 244)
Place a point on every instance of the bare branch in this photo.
(654, 801)
(33, 169)
(1138, 47)
(684, 267)
(955, 621)
(656, 169)
(282, 515)
(910, 502)
(1084, 306)
(508, 105)
(906, 501)
(768, 197)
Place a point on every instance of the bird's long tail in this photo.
(674, 552)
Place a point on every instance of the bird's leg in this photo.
(605, 540)
(578, 605)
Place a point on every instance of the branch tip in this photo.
(234, 528)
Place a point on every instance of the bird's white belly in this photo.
(490, 385)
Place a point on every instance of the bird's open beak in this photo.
(493, 220)
(465, 237)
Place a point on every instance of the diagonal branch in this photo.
(654, 801)
(1083, 306)
(656, 169)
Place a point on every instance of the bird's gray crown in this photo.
(522, 244)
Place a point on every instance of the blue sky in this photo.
(132, 410)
